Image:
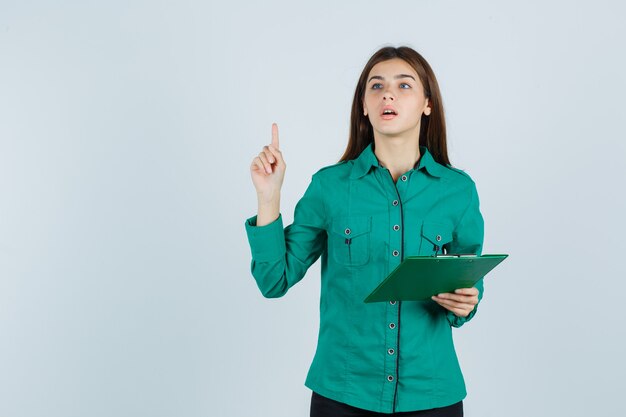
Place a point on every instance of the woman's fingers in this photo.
(275, 135)
(266, 164)
(466, 299)
(467, 291)
(269, 155)
(257, 164)
(460, 309)
(276, 154)
(453, 304)
(461, 302)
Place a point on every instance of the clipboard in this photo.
(420, 277)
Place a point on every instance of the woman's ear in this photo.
(427, 110)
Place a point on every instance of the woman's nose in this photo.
(388, 96)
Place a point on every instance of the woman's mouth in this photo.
(388, 116)
(388, 113)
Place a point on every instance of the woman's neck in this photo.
(397, 156)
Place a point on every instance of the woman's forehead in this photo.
(392, 67)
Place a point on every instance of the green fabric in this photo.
(437, 205)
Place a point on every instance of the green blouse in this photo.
(389, 356)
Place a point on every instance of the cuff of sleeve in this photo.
(267, 243)
(456, 321)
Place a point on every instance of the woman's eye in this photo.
(376, 86)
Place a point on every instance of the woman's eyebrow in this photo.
(378, 77)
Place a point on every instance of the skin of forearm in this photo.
(269, 209)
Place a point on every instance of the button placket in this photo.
(396, 234)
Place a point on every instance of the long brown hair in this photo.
(432, 127)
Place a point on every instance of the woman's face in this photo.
(394, 84)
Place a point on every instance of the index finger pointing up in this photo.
(275, 135)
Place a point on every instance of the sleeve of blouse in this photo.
(468, 238)
(281, 257)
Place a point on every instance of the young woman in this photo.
(392, 194)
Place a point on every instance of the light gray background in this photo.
(126, 134)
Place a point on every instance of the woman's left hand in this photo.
(461, 302)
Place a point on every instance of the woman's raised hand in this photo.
(268, 170)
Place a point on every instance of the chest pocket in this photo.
(349, 240)
(434, 234)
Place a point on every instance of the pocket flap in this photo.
(350, 227)
(437, 233)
